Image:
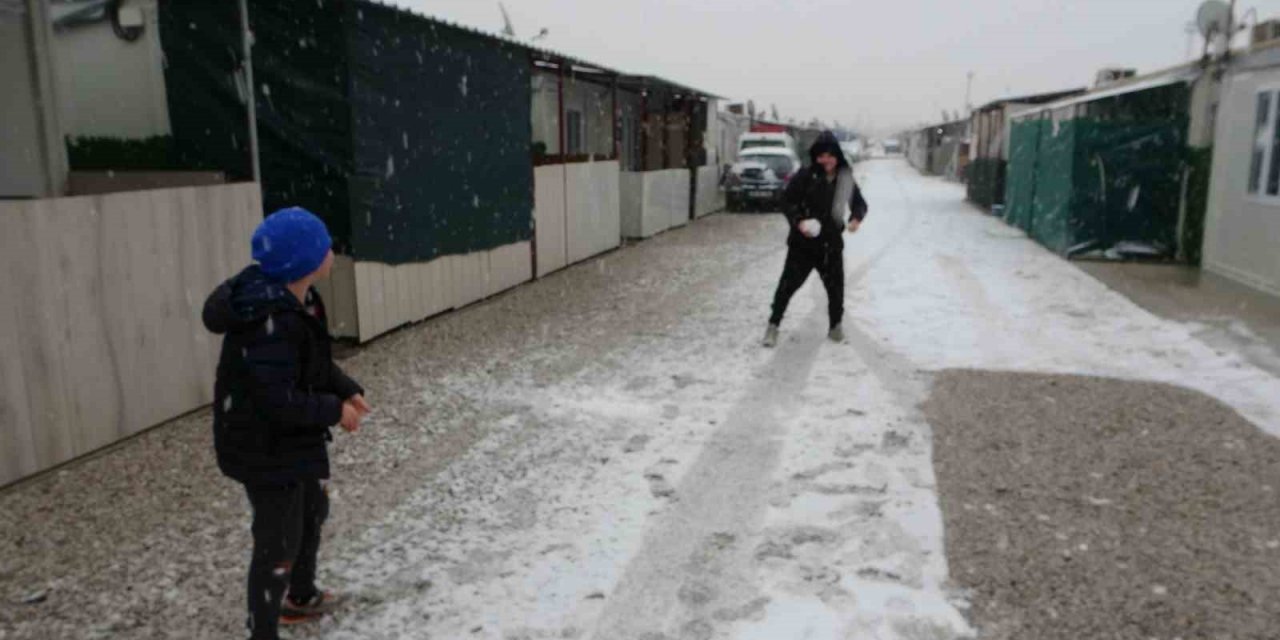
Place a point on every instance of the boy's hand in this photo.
(360, 404)
(350, 417)
(854, 224)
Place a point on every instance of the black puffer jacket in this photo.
(278, 390)
(811, 195)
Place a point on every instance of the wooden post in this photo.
(617, 125)
(644, 129)
(564, 152)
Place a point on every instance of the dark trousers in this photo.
(286, 538)
(828, 260)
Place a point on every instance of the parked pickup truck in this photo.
(756, 181)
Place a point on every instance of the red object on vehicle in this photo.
(764, 127)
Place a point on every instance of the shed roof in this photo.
(630, 81)
(1184, 73)
(1036, 98)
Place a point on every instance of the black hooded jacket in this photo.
(278, 390)
(811, 195)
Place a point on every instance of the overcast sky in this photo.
(881, 64)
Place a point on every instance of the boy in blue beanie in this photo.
(277, 394)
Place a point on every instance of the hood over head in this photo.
(828, 143)
(244, 300)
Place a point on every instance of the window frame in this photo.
(574, 130)
(1271, 129)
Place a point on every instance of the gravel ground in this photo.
(147, 540)
(1082, 507)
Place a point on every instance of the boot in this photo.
(836, 334)
(771, 336)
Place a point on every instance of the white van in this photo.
(774, 140)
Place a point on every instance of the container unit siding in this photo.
(989, 154)
(101, 323)
(1107, 171)
(1242, 226)
(575, 153)
(660, 183)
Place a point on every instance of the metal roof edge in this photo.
(544, 53)
(1181, 73)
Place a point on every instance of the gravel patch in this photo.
(148, 540)
(1082, 507)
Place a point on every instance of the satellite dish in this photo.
(1213, 18)
(508, 29)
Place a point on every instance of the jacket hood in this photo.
(827, 142)
(245, 300)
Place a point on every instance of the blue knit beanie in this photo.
(290, 244)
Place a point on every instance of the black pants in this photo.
(829, 261)
(286, 538)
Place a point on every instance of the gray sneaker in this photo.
(836, 334)
(771, 336)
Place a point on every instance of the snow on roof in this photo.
(767, 151)
(550, 55)
(1038, 98)
(1186, 73)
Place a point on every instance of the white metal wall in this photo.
(576, 212)
(1242, 232)
(654, 201)
(549, 211)
(378, 297)
(709, 197)
(100, 326)
(109, 87)
(592, 209)
(25, 160)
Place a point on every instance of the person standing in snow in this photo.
(277, 394)
(821, 202)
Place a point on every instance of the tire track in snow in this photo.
(693, 571)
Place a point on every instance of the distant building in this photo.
(989, 149)
(939, 149)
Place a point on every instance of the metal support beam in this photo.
(246, 41)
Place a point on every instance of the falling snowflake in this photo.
(227, 404)
(391, 167)
(462, 85)
(1133, 196)
(271, 326)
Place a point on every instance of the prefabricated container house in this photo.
(1242, 221)
(1107, 173)
(989, 150)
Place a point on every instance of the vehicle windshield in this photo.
(751, 144)
(780, 165)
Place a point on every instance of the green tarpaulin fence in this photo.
(1097, 174)
(408, 136)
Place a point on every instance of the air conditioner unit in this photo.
(1265, 33)
(1112, 75)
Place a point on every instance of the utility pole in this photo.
(1231, 30)
(246, 35)
(968, 89)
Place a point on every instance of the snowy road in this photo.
(695, 486)
(608, 453)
